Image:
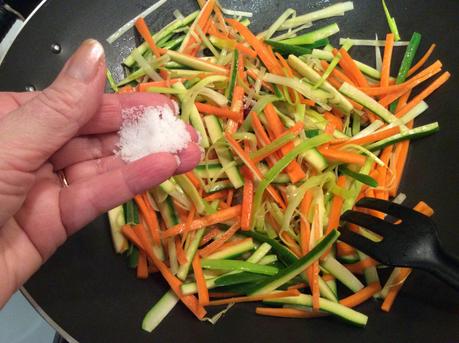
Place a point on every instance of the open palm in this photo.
(70, 127)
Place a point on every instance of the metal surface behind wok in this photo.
(89, 291)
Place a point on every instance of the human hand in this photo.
(70, 126)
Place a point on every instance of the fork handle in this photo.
(446, 268)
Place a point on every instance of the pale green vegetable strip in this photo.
(331, 11)
(305, 70)
(116, 220)
(159, 311)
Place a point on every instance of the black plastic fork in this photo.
(411, 243)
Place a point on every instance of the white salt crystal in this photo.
(148, 130)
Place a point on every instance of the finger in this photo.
(109, 117)
(81, 202)
(84, 148)
(33, 132)
(87, 169)
(189, 158)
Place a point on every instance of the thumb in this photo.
(33, 132)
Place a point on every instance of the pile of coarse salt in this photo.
(148, 130)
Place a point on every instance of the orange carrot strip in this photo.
(233, 44)
(229, 197)
(245, 50)
(260, 48)
(392, 294)
(385, 157)
(288, 312)
(273, 120)
(211, 219)
(253, 168)
(194, 180)
(308, 102)
(262, 136)
(387, 58)
(335, 120)
(219, 241)
(336, 207)
(222, 205)
(305, 228)
(237, 107)
(259, 297)
(203, 292)
(425, 93)
(290, 242)
(149, 214)
(287, 72)
(188, 222)
(209, 236)
(222, 112)
(255, 76)
(361, 296)
(351, 69)
(400, 89)
(201, 22)
(390, 98)
(376, 136)
(216, 195)
(181, 256)
(127, 89)
(294, 170)
(335, 82)
(314, 281)
(142, 266)
(142, 27)
(400, 165)
(241, 69)
(247, 202)
(342, 156)
(296, 129)
(190, 301)
(337, 73)
(421, 62)
(359, 267)
(143, 87)
(343, 249)
(237, 101)
(328, 277)
(220, 18)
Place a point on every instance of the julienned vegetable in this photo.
(294, 132)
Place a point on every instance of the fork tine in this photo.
(370, 222)
(359, 242)
(388, 207)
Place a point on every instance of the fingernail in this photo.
(85, 62)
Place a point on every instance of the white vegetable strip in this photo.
(369, 129)
(292, 33)
(237, 13)
(378, 56)
(275, 26)
(126, 27)
(371, 42)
